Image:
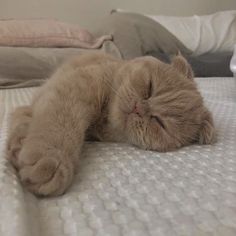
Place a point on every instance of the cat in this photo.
(144, 102)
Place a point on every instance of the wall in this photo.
(86, 12)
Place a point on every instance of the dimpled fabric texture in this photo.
(122, 190)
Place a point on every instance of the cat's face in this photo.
(158, 106)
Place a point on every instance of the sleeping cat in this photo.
(144, 102)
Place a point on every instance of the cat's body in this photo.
(144, 102)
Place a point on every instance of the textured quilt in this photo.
(122, 190)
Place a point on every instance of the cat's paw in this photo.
(45, 175)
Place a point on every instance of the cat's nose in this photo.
(137, 109)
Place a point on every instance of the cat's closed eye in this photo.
(158, 120)
(149, 94)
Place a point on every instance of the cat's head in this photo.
(158, 106)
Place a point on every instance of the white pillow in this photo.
(202, 34)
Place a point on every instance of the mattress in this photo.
(122, 190)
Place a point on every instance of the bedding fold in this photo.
(137, 35)
(133, 34)
(25, 67)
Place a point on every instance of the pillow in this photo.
(46, 33)
(203, 34)
(205, 65)
(139, 35)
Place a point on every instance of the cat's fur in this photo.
(144, 102)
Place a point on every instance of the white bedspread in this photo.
(122, 190)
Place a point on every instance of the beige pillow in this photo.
(46, 33)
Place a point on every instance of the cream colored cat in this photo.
(144, 102)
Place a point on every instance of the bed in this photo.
(122, 190)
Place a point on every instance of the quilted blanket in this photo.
(122, 190)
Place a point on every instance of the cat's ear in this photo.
(207, 134)
(181, 64)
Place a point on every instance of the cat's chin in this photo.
(130, 121)
(124, 122)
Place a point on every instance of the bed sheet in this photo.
(122, 190)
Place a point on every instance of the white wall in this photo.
(86, 12)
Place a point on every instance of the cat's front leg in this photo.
(51, 150)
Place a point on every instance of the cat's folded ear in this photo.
(207, 134)
(181, 64)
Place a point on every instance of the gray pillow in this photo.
(137, 35)
(206, 65)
